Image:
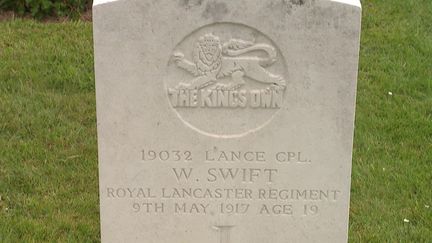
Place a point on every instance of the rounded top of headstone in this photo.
(98, 2)
(350, 2)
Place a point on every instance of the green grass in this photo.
(392, 165)
(48, 152)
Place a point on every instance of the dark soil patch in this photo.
(10, 15)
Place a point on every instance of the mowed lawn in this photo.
(48, 149)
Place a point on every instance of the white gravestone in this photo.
(225, 121)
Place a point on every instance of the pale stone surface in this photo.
(225, 121)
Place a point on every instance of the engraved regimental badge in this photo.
(223, 68)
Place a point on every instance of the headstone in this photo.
(223, 121)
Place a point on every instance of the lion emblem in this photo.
(213, 60)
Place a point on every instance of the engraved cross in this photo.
(224, 233)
